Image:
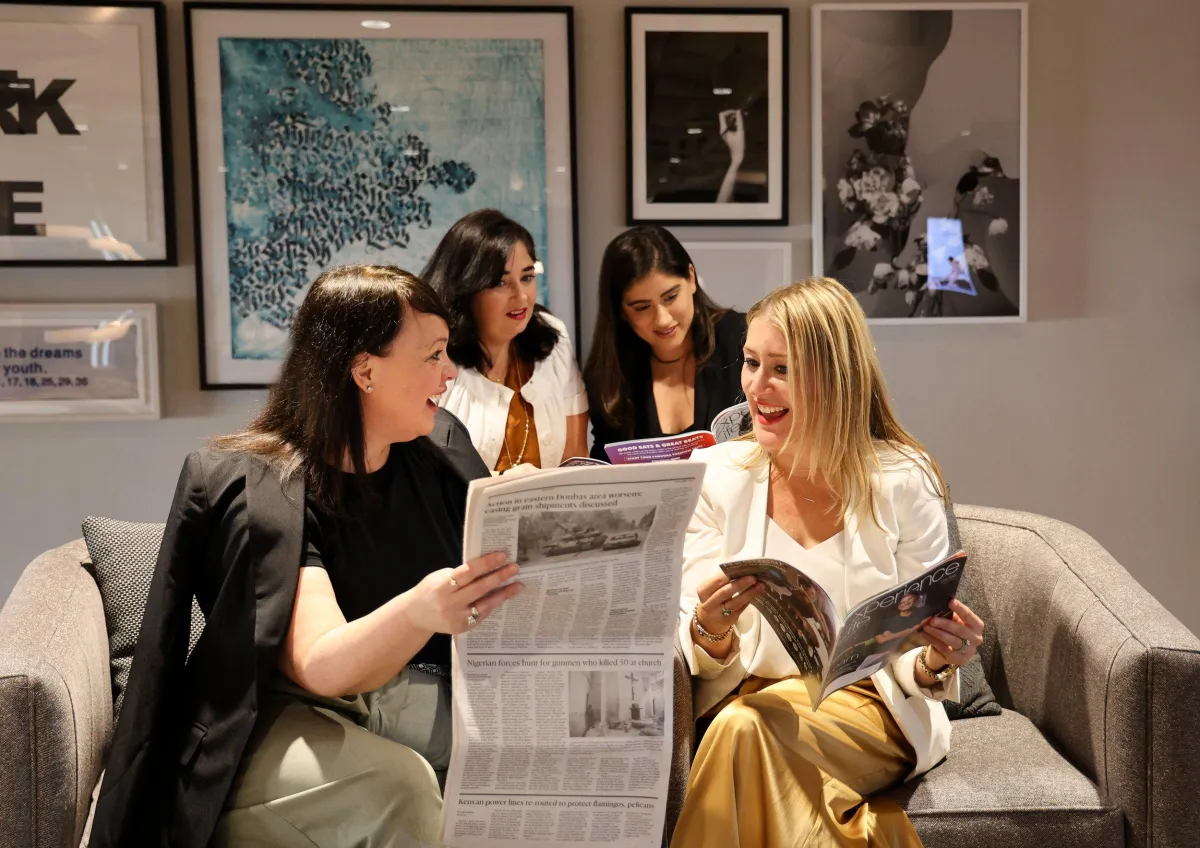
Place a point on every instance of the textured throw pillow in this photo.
(977, 696)
(123, 555)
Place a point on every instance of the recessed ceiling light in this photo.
(722, 91)
(674, 160)
(694, 131)
(376, 25)
(966, 132)
(401, 108)
(662, 179)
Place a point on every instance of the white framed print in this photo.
(706, 116)
(738, 274)
(85, 136)
(920, 158)
(329, 135)
(79, 360)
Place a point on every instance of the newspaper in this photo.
(830, 652)
(562, 698)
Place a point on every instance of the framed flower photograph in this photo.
(919, 158)
(85, 137)
(326, 135)
(94, 361)
(706, 105)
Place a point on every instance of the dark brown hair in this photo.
(470, 258)
(313, 415)
(617, 351)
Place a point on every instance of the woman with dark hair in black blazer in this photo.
(323, 545)
(665, 359)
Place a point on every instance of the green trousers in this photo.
(319, 772)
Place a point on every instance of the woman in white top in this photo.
(831, 483)
(518, 389)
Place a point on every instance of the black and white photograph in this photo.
(85, 134)
(550, 536)
(707, 116)
(606, 704)
(919, 116)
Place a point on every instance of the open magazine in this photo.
(830, 652)
(561, 699)
(729, 424)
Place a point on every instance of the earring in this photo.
(369, 389)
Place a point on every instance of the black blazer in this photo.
(718, 387)
(234, 539)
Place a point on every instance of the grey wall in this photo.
(1089, 413)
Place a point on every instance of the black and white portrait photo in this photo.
(548, 536)
(919, 203)
(605, 704)
(707, 116)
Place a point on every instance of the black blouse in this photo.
(407, 525)
(718, 387)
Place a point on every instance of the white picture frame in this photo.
(981, 44)
(79, 361)
(727, 270)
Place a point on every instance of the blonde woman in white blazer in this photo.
(831, 483)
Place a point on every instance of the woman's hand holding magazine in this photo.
(832, 653)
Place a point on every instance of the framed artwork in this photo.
(738, 274)
(78, 360)
(919, 158)
(706, 115)
(85, 137)
(327, 135)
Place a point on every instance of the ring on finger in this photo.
(475, 612)
(726, 610)
(472, 620)
(965, 646)
(453, 583)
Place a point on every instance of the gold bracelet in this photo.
(938, 676)
(704, 633)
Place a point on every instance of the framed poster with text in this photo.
(329, 135)
(78, 360)
(85, 142)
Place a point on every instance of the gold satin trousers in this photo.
(772, 773)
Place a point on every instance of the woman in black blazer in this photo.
(665, 359)
(323, 546)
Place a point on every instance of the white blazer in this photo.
(555, 391)
(730, 523)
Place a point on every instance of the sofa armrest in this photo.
(1103, 670)
(55, 700)
(684, 729)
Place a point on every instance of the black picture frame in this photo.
(692, 184)
(214, 373)
(163, 172)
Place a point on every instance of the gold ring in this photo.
(453, 583)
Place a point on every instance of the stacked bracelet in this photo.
(711, 637)
(938, 676)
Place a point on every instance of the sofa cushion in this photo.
(1003, 784)
(123, 554)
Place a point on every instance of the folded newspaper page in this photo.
(562, 697)
(729, 424)
(830, 652)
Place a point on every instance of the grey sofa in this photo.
(1098, 744)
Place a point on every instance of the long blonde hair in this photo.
(847, 423)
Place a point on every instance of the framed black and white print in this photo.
(85, 141)
(706, 116)
(919, 158)
(332, 134)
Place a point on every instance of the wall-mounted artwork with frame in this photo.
(739, 274)
(85, 140)
(93, 361)
(919, 158)
(327, 135)
(706, 103)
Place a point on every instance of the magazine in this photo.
(831, 653)
(561, 699)
(729, 424)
